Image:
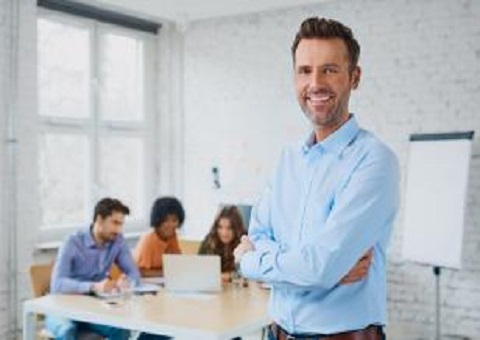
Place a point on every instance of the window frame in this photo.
(94, 129)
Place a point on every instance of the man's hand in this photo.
(360, 270)
(244, 246)
(124, 283)
(105, 286)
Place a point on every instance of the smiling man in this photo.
(332, 199)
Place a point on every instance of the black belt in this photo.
(372, 332)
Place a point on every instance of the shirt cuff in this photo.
(250, 266)
(134, 279)
(85, 287)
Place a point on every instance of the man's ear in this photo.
(356, 75)
(99, 219)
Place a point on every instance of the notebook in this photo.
(141, 288)
(192, 273)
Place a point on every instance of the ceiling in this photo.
(184, 11)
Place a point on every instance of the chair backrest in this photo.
(40, 275)
(115, 272)
(189, 246)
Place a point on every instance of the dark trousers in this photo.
(146, 336)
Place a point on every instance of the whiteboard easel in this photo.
(437, 183)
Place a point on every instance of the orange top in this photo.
(150, 248)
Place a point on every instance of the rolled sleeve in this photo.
(251, 264)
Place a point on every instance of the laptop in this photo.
(192, 273)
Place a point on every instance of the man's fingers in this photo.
(361, 265)
(353, 278)
(367, 256)
(364, 264)
(366, 260)
(358, 275)
(360, 270)
(347, 280)
(111, 284)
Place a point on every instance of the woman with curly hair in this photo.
(223, 237)
(167, 215)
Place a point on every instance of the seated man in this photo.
(83, 266)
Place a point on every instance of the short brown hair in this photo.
(322, 28)
(107, 206)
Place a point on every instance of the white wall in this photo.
(421, 63)
(18, 156)
(4, 31)
(18, 177)
(239, 110)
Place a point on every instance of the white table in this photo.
(235, 311)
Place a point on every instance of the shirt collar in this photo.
(89, 239)
(338, 140)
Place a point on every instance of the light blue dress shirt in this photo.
(81, 262)
(325, 206)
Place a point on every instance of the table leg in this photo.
(28, 325)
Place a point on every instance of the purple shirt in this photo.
(81, 262)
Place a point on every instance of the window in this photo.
(95, 115)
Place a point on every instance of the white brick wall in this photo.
(421, 63)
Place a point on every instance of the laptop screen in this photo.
(192, 273)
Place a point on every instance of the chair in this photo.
(115, 272)
(40, 275)
(40, 283)
(189, 246)
(40, 278)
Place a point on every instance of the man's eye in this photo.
(330, 70)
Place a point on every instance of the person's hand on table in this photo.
(124, 283)
(105, 286)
